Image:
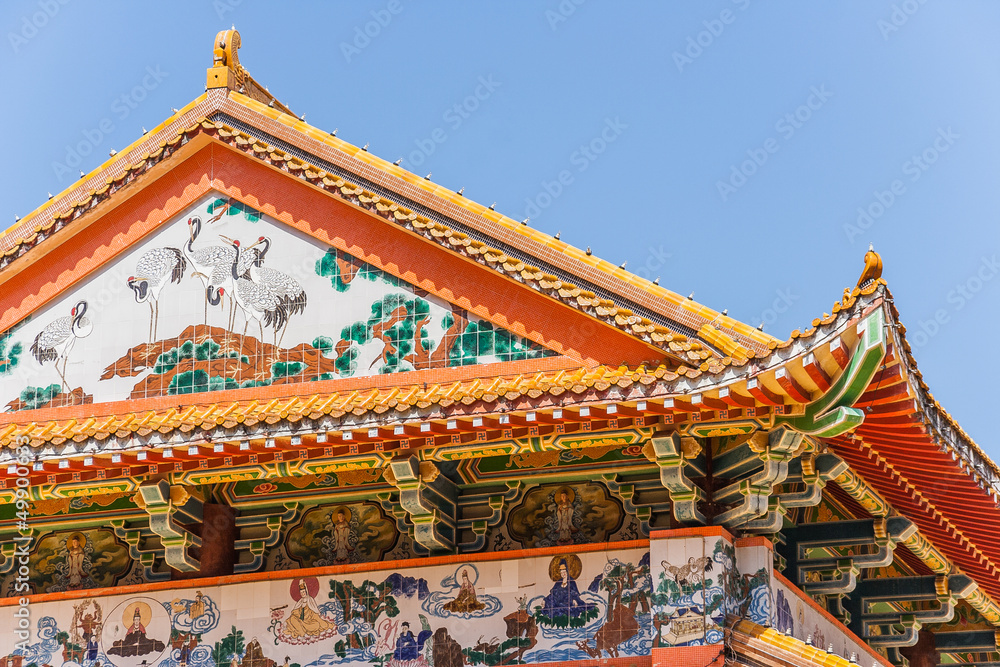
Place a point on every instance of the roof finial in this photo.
(225, 61)
(873, 267)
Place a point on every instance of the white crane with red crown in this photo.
(155, 269)
(56, 341)
(285, 288)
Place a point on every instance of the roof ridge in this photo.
(227, 72)
(227, 79)
(719, 322)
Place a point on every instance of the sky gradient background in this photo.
(688, 91)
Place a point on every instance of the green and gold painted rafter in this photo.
(833, 413)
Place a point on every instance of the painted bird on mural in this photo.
(56, 341)
(691, 573)
(254, 300)
(155, 269)
(288, 290)
(210, 264)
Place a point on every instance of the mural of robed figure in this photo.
(409, 647)
(563, 606)
(136, 642)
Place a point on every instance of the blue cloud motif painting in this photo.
(196, 616)
(41, 651)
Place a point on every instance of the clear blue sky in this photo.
(833, 101)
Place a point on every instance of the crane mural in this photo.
(221, 297)
(55, 342)
(211, 264)
(156, 268)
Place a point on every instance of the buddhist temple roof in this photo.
(906, 453)
(234, 104)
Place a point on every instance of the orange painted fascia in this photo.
(754, 541)
(696, 531)
(706, 655)
(331, 570)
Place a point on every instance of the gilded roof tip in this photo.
(227, 72)
(873, 267)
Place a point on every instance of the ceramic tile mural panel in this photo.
(752, 590)
(794, 615)
(699, 581)
(689, 594)
(223, 297)
(532, 610)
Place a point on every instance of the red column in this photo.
(218, 540)
(924, 653)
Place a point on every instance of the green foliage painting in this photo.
(414, 333)
(230, 646)
(207, 350)
(482, 339)
(364, 604)
(232, 207)
(193, 382)
(33, 398)
(342, 269)
(9, 354)
(400, 323)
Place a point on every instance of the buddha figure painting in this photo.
(75, 561)
(305, 623)
(459, 596)
(564, 606)
(136, 618)
(564, 515)
(465, 602)
(342, 534)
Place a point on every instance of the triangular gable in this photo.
(567, 300)
(160, 318)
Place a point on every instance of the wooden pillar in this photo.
(924, 653)
(218, 543)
